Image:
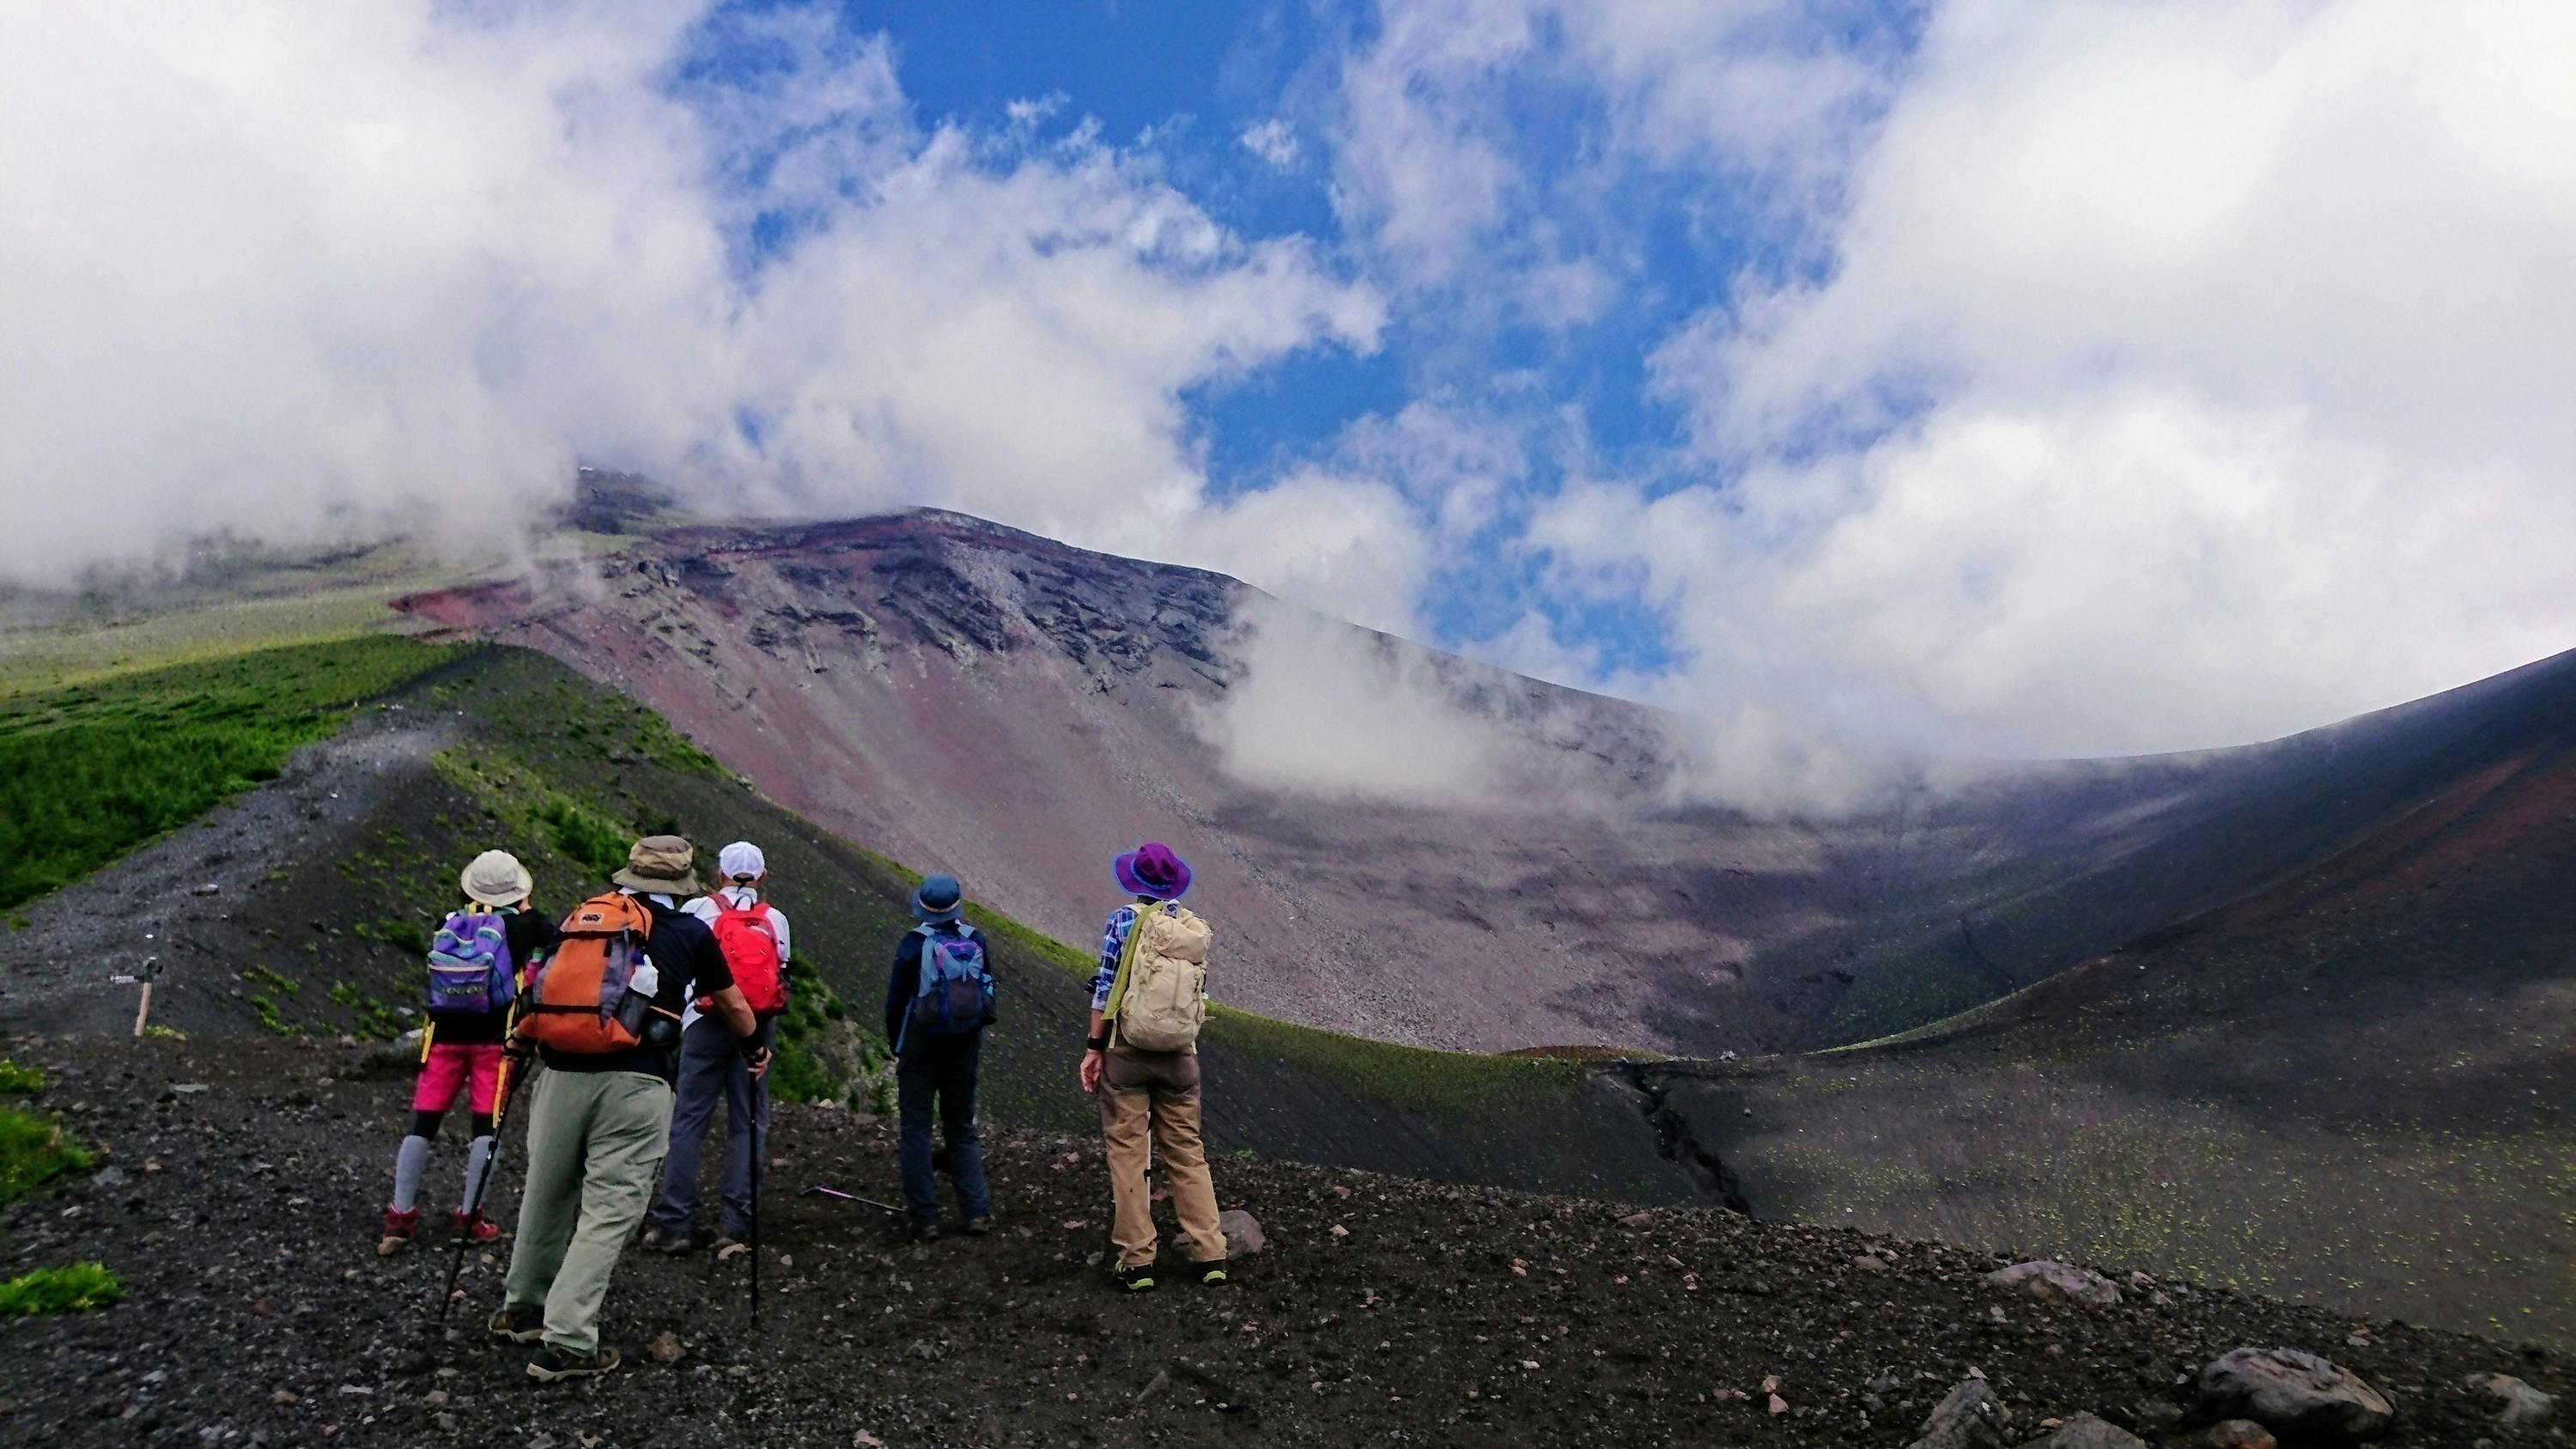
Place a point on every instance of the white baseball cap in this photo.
(741, 860)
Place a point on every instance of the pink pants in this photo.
(452, 1067)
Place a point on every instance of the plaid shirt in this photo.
(1113, 944)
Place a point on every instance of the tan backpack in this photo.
(1160, 997)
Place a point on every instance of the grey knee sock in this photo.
(407, 1167)
(477, 1152)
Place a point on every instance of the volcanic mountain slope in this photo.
(993, 703)
(302, 909)
(2357, 1086)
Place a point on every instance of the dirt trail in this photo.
(240, 1211)
(147, 914)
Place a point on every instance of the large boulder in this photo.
(1242, 1233)
(2519, 1405)
(2083, 1431)
(2052, 1282)
(2292, 1393)
(1968, 1417)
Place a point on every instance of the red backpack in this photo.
(750, 946)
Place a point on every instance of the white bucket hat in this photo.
(741, 860)
(495, 878)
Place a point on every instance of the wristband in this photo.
(1098, 1043)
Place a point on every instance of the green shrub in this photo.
(60, 1290)
(18, 1080)
(89, 772)
(599, 845)
(34, 1151)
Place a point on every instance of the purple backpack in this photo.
(469, 966)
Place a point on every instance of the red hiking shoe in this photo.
(399, 1227)
(473, 1227)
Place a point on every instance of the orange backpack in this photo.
(578, 1001)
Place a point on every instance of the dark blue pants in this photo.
(709, 1070)
(943, 1067)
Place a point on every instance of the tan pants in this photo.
(1162, 1087)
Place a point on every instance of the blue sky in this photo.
(1963, 376)
(1179, 86)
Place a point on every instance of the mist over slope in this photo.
(1408, 845)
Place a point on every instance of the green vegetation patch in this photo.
(34, 1151)
(16, 1080)
(60, 1290)
(91, 771)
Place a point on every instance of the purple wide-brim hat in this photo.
(1152, 870)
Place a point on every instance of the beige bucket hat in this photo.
(495, 878)
(661, 865)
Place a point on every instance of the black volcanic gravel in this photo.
(242, 1217)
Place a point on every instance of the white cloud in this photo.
(1427, 161)
(2231, 363)
(1275, 142)
(1351, 548)
(1321, 708)
(299, 273)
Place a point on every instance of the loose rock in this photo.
(2523, 1407)
(1968, 1417)
(2238, 1434)
(2294, 1392)
(1242, 1233)
(2053, 1282)
(2083, 1431)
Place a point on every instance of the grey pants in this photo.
(709, 1068)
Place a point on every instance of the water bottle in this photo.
(635, 1008)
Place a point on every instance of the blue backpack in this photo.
(955, 997)
(469, 965)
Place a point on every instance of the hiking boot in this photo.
(978, 1227)
(519, 1322)
(669, 1245)
(727, 1246)
(1139, 1279)
(399, 1227)
(552, 1364)
(925, 1230)
(1212, 1272)
(474, 1227)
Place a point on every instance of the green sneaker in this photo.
(1139, 1279)
(552, 1364)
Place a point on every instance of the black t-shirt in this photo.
(530, 935)
(687, 960)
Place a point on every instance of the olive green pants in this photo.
(595, 1144)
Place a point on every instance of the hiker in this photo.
(1141, 1061)
(604, 1016)
(939, 999)
(753, 935)
(476, 964)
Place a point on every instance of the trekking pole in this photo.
(757, 1148)
(834, 1193)
(505, 1088)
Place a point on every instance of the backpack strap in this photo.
(1127, 957)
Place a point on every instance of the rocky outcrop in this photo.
(2293, 1393)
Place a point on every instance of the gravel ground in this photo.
(241, 1213)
